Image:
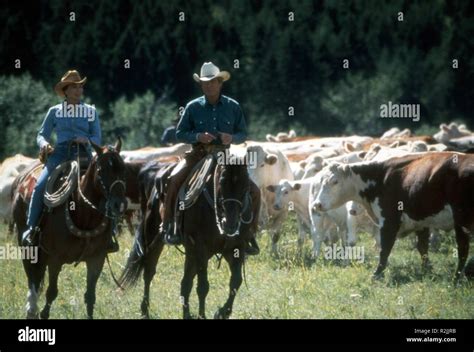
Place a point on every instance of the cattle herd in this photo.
(340, 187)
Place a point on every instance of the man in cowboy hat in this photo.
(211, 122)
(70, 126)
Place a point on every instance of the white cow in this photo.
(309, 146)
(281, 136)
(149, 153)
(329, 227)
(395, 132)
(9, 170)
(451, 131)
(358, 221)
(297, 169)
(319, 164)
(270, 167)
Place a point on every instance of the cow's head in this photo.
(448, 132)
(262, 157)
(313, 166)
(373, 151)
(283, 193)
(336, 187)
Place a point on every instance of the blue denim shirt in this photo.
(84, 122)
(200, 116)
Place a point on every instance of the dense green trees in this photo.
(276, 62)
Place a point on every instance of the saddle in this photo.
(196, 181)
(201, 172)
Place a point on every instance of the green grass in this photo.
(287, 287)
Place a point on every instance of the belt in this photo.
(72, 144)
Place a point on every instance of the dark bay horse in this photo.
(93, 213)
(202, 236)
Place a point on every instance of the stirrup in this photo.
(252, 248)
(28, 237)
(113, 245)
(172, 239)
(168, 235)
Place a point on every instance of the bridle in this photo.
(106, 191)
(219, 203)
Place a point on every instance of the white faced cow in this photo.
(406, 194)
(294, 195)
(270, 167)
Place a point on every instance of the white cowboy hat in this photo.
(210, 71)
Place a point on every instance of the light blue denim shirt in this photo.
(200, 116)
(68, 125)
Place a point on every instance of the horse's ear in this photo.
(118, 144)
(97, 148)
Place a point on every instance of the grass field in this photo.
(288, 287)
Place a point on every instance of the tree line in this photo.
(320, 67)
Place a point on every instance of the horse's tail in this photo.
(135, 261)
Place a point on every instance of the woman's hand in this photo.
(47, 149)
(44, 152)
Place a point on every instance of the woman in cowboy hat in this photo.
(72, 121)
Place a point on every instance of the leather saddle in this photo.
(195, 181)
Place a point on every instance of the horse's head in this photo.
(109, 177)
(234, 186)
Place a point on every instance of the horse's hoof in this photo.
(458, 279)
(32, 315)
(218, 315)
(44, 315)
(203, 317)
(221, 314)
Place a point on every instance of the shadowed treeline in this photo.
(284, 56)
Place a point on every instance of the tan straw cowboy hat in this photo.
(210, 71)
(70, 77)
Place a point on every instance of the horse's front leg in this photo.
(52, 292)
(190, 269)
(202, 288)
(35, 274)
(235, 260)
(94, 269)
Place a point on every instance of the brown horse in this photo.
(202, 238)
(86, 238)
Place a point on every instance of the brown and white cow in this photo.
(409, 193)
